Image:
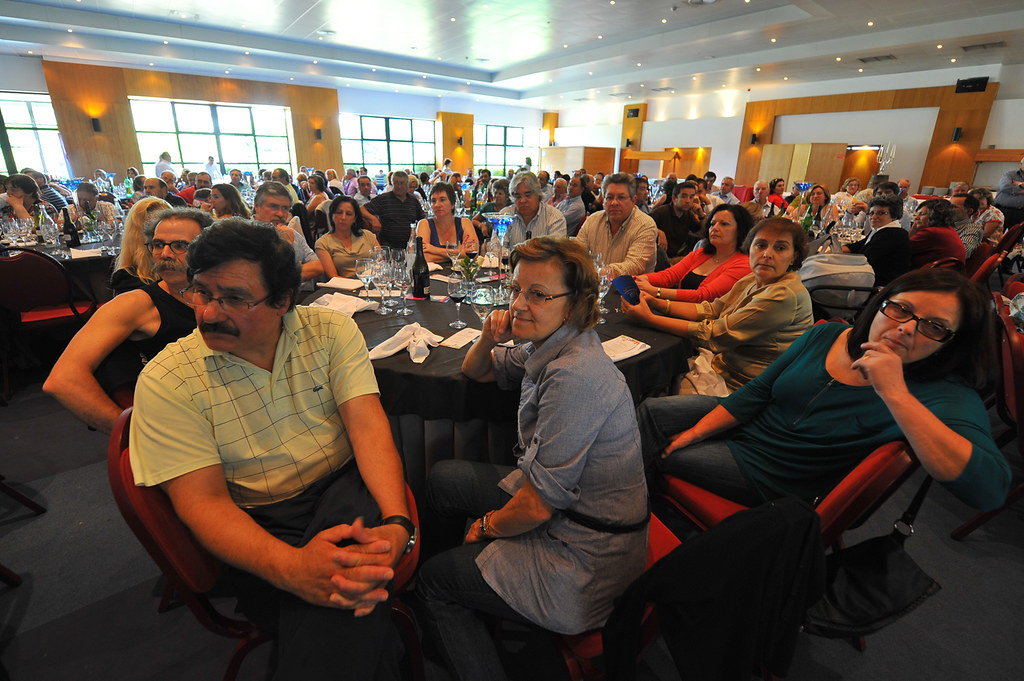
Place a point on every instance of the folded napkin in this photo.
(623, 347)
(489, 262)
(434, 267)
(77, 253)
(348, 305)
(412, 336)
(341, 283)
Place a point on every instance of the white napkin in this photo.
(411, 336)
(490, 261)
(341, 283)
(623, 347)
(77, 253)
(347, 305)
(434, 267)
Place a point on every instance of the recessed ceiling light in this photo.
(467, 82)
(247, 51)
(839, 58)
(641, 84)
(291, 78)
(439, 59)
(30, 52)
(597, 91)
(673, 91)
(564, 46)
(723, 84)
(611, 2)
(695, 77)
(227, 70)
(316, 61)
(150, 63)
(348, 84)
(860, 70)
(664, 21)
(70, 30)
(478, 99)
(639, 64)
(600, 37)
(550, 81)
(424, 77)
(939, 46)
(319, 37)
(374, 70)
(165, 42)
(439, 95)
(871, 23)
(627, 96)
(785, 78)
(452, 19)
(953, 60)
(773, 40)
(590, 73)
(758, 68)
(396, 92)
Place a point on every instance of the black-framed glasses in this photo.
(197, 297)
(927, 328)
(179, 247)
(532, 296)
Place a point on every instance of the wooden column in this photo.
(450, 127)
(550, 123)
(633, 117)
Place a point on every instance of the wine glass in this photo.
(604, 284)
(452, 249)
(381, 279)
(364, 271)
(396, 261)
(483, 302)
(458, 289)
(403, 280)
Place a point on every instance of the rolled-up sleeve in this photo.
(723, 326)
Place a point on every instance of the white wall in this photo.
(722, 135)
(22, 74)
(910, 129)
(377, 103)
(1003, 131)
(589, 136)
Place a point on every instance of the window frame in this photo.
(415, 163)
(11, 163)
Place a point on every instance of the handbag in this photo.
(872, 584)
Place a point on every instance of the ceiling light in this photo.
(565, 46)
(291, 79)
(953, 60)
(550, 81)
(374, 70)
(839, 58)
(600, 37)
(467, 82)
(939, 46)
(673, 91)
(424, 77)
(150, 63)
(348, 84)
(785, 78)
(773, 40)
(860, 70)
(695, 77)
(316, 61)
(871, 23)
(165, 42)
(247, 51)
(590, 73)
(70, 31)
(452, 19)
(227, 70)
(758, 69)
(319, 37)
(627, 96)
(439, 95)
(639, 64)
(30, 52)
(439, 59)
(723, 84)
(396, 92)
(641, 84)
(664, 21)
(611, 2)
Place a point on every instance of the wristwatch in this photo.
(659, 293)
(407, 525)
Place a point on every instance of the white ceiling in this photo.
(541, 53)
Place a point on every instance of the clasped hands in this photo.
(350, 577)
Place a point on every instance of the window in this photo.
(501, 148)
(240, 136)
(32, 131)
(385, 143)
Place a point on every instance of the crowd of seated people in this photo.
(212, 291)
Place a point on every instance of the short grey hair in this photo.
(399, 175)
(200, 217)
(527, 178)
(627, 179)
(271, 189)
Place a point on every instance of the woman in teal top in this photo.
(905, 370)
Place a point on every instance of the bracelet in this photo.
(484, 523)
(668, 306)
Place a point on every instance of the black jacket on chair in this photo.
(730, 601)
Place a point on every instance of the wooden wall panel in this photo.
(824, 164)
(633, 128)
(550, 124)
(695, 160)
(452, 127)
(77, 88)
(599, 159)
(861, 164)
(776, 160)
(80, 93)
(562, 159)
(946, 161)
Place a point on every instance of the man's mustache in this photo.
(221, 328)
(169, 265)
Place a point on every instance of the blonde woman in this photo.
(134, 265)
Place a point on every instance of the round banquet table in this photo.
(438, 413)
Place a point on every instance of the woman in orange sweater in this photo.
(710, 272)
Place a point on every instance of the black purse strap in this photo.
(904, 527)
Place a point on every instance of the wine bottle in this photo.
(70, 231)
(420, 273)
(808, 219)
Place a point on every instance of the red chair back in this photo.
(1013, 286)
(948, 263)
(985, 271)
(849, 503)
(980, 255)
(1010, 238)
(33, 281)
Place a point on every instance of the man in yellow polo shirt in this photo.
(265, 429)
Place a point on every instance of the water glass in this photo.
(483, 302)
(458, 290)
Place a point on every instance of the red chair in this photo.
(1009, 395)
(850, 502)
(948, 263)
(580, 652)
(191, 571)
(978, 258)
(1013, 286)
(1010, 238)
(37, 289)
(985, 270)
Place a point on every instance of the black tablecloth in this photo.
(437, 389)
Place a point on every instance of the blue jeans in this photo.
(708, 464)
(454, 593)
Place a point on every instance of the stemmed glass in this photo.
(458, 290)
(483, 302)
(364, 271)
(381, 279)
(604, 283)
(396, 264)
(403, 280)
(452, 249)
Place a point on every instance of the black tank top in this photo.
(176, 320)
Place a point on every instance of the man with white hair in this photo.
(624, 235)
(1010, 198)
(532, 215)
(761, 207)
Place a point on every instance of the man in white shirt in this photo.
(545, 185)
(761, 207)
(559, 192)
(624, 236)
(273, 204)
(725, 193)
(364, 190)
(211, 168)
(532, 215)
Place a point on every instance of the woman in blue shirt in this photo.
(905, 369)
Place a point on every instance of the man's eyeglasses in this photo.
(927, 328)
(197, 297)
(534, 297)
(526, 196)
(879, 212)
(179, 247)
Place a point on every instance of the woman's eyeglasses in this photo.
(927, 328)
(532, 296)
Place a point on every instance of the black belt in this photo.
(597, 525)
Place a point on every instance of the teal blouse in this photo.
(802, 430)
